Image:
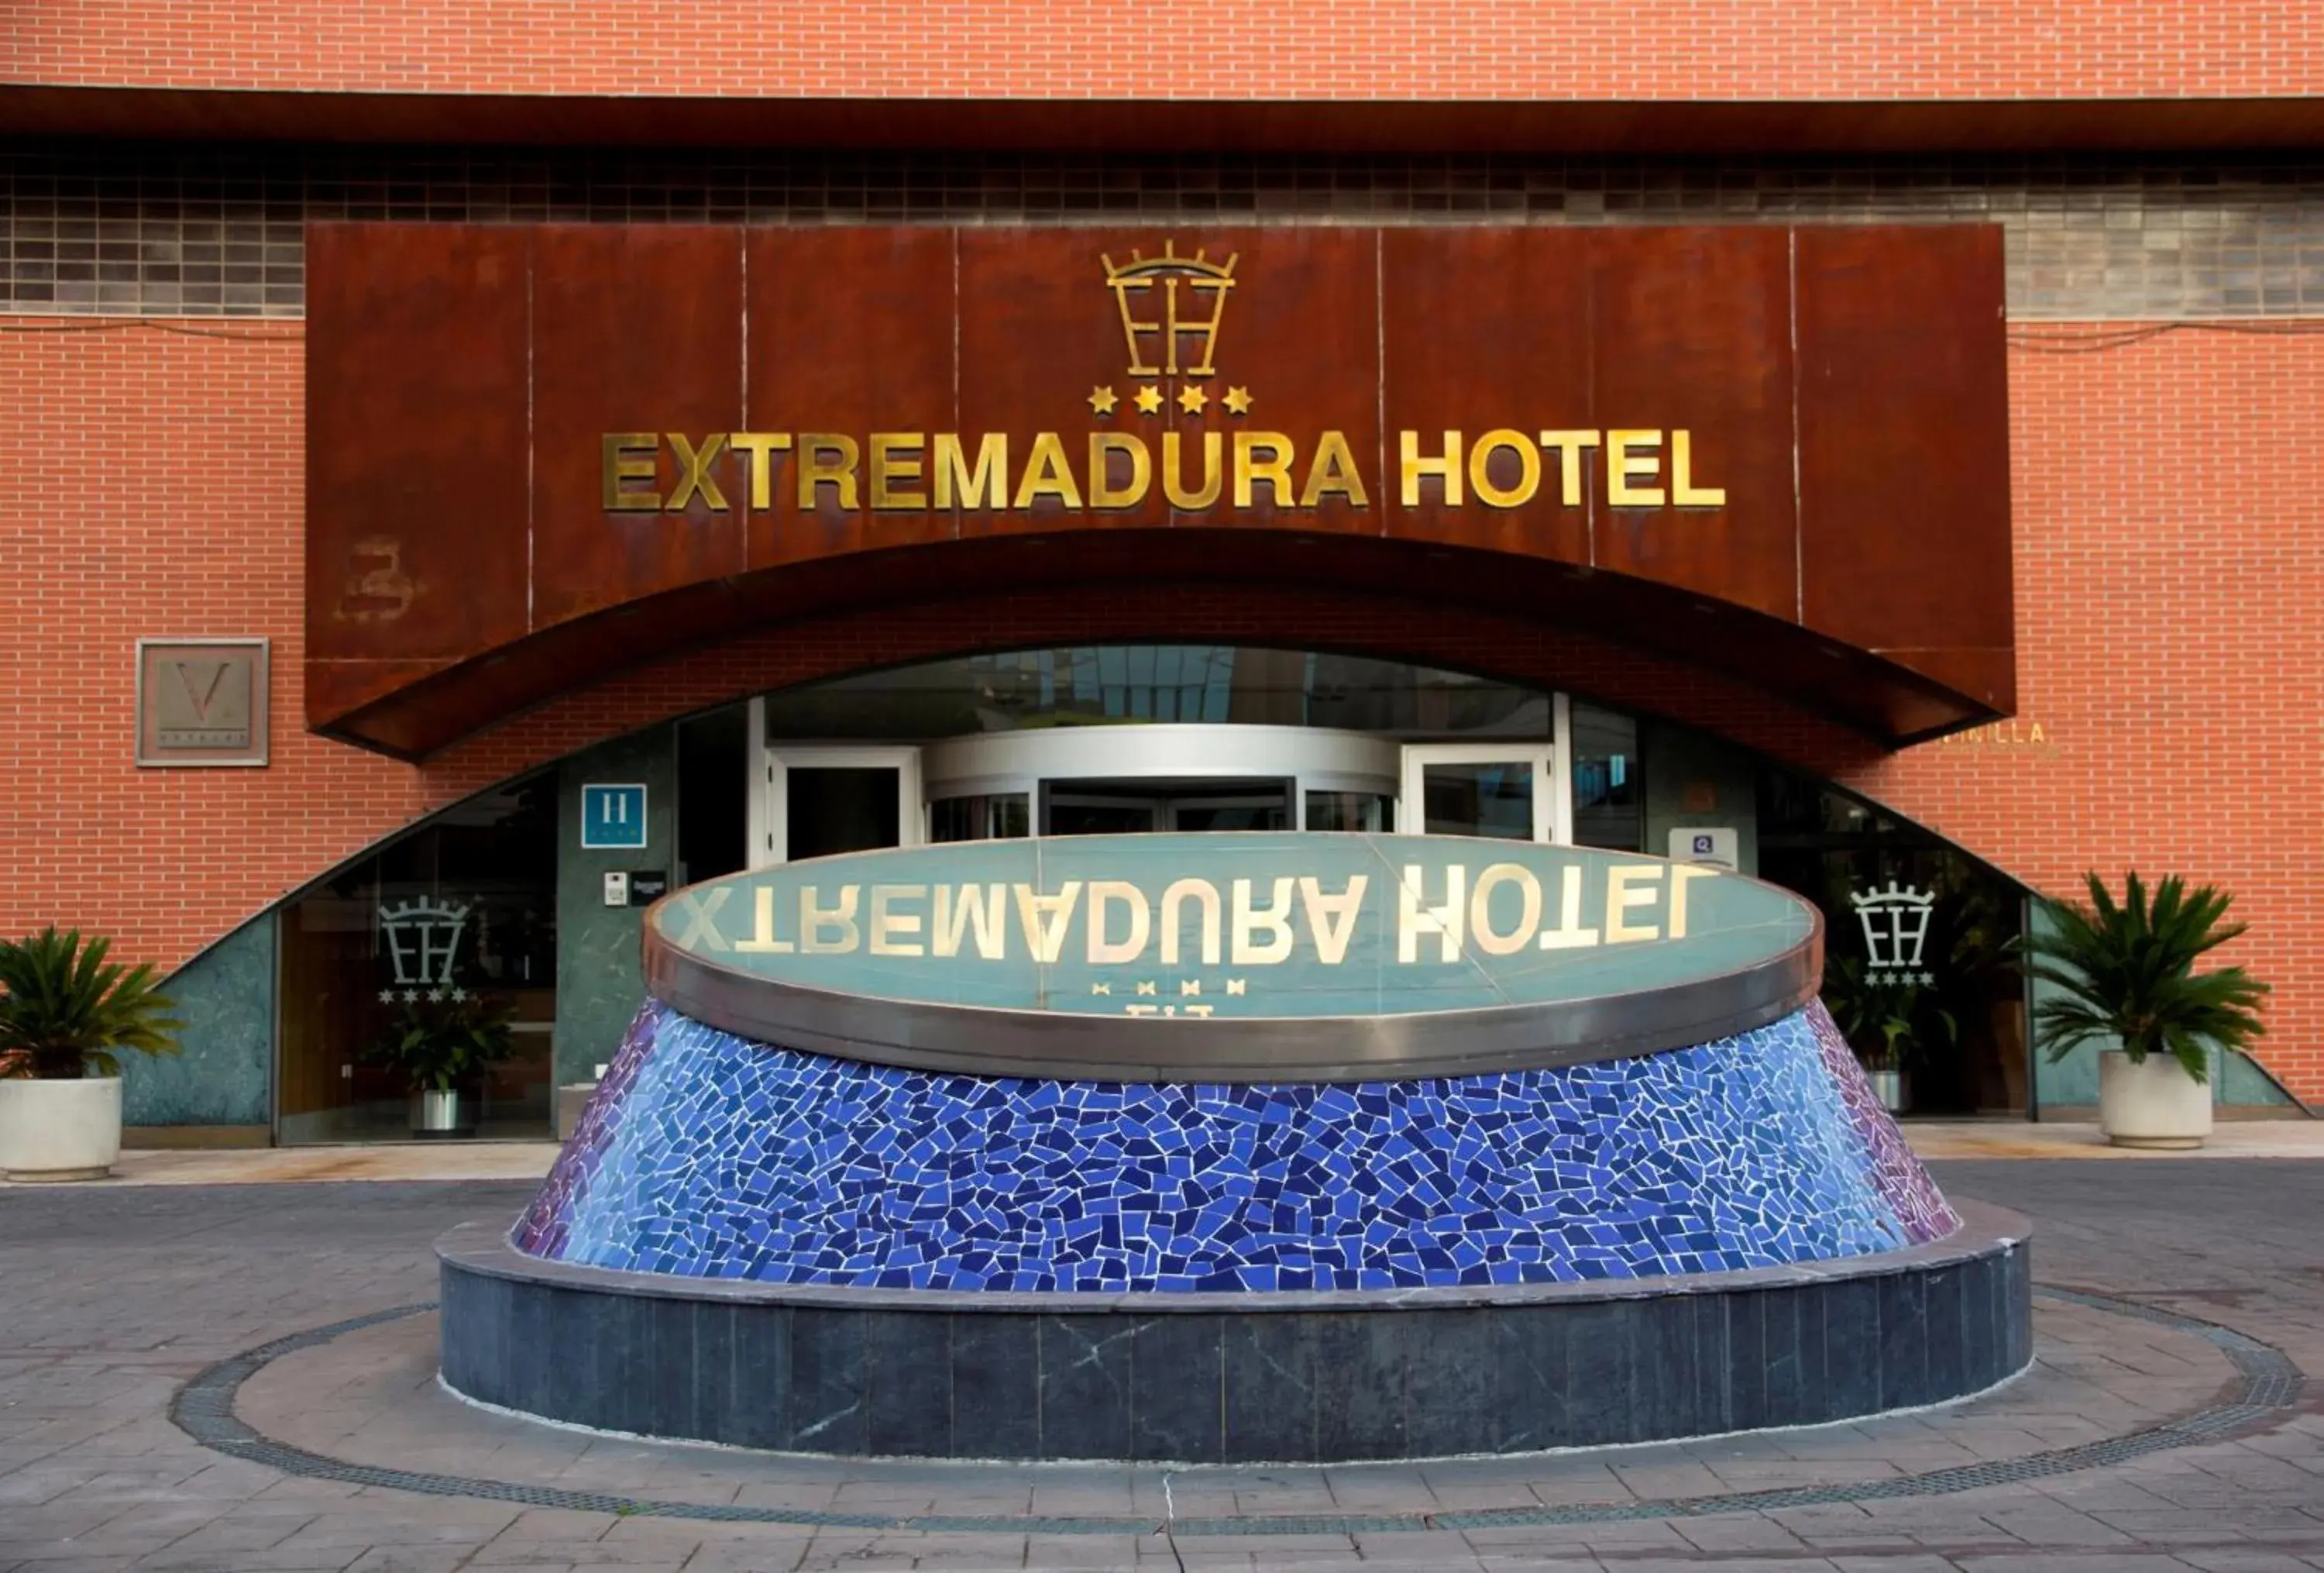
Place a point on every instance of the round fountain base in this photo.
(1235, 1378)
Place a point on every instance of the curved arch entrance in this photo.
(1094, 736)
(1113, 738)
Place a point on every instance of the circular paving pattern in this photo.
(2267, 1385)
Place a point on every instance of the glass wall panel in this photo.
(1090, 814)
(714, 781)
(846, 807)
(1367, 812)
(1610, 798)
(449, 929)
(1231, 812)
(1493, 799)
(1917, 971)
(989, 816)
(1120, 685)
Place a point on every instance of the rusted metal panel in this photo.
(1779, 453)
(1690, 332)
(416, 351)
(851, 333)
(1487, 329)
(635, 329)
(1904, 449)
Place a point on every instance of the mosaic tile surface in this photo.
(1896, 1174)
(705, 1154)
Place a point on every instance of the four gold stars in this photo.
(1193, 400)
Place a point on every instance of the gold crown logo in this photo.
(1200, 278)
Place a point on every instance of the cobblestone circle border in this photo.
(2271, 1386)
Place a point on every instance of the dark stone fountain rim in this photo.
(485, 1249)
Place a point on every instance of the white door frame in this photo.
(1553, 797)
(770, 832)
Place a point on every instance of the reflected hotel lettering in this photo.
(1501, 913)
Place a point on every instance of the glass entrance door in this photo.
(824, 800)
(1502, 791)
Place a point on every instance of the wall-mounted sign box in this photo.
(201, 702)
(1716, 844)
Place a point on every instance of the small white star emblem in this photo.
(387, 996)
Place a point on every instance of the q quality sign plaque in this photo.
(1227, 957)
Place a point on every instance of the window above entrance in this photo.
(1129, 685)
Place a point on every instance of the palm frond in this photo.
(66, 1011)
(2126, 973)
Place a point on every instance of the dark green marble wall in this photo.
(1678, 759)
(223, 1074)
(599, 985)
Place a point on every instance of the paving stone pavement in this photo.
(112, 1298)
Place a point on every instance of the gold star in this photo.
(1193, 400)
(1102, 400)
(1237, 401)
(1149, 400)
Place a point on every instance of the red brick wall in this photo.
(156, 492)
(1230, 49)
(2171, 566)
(2170, 553)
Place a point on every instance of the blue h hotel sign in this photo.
(613, 817)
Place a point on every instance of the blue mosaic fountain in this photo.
(1468, 1172)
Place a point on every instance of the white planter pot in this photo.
(2154, 1104)
(60, 1130)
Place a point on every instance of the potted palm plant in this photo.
(2126, 976)
(67, 1014)
(443, 1048)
